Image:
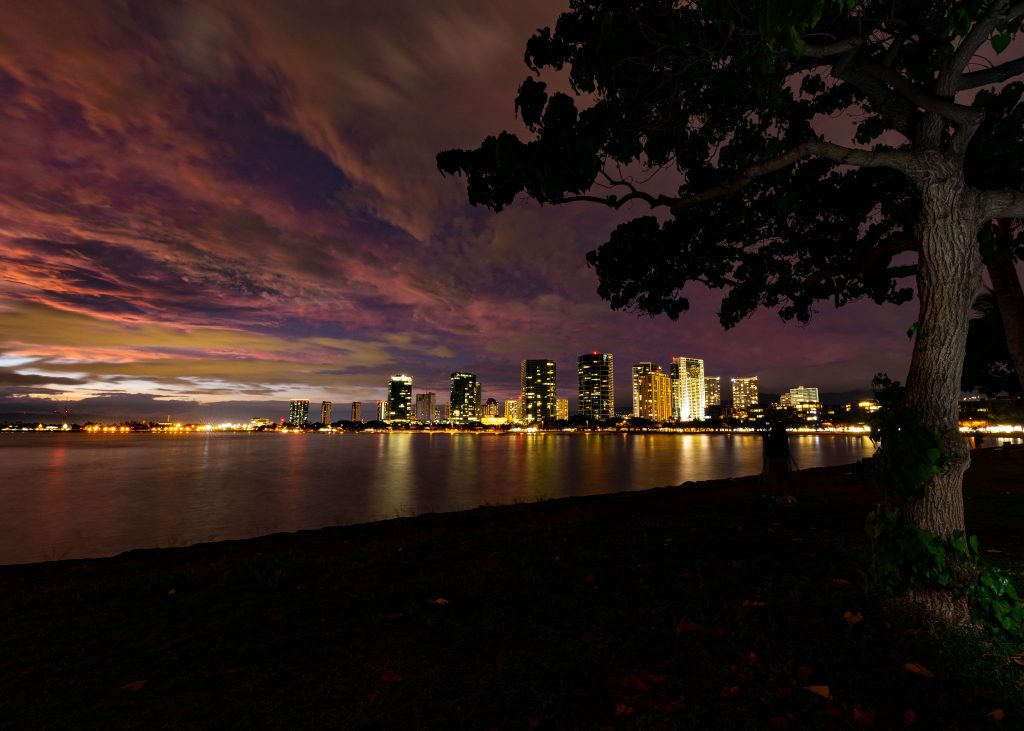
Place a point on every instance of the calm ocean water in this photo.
(82, 495)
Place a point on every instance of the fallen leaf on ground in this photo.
(804, 672)
(753, 603)
(996, 715)
(853, 618)
(685, 625)
(839, 582)
(590, 578)
(670, 707)
(394, 616)
(440, 601)
(656, 677)
(391, 676)
(752, 657)
(909, 718)
(863, 716)
(632, 680)
(778, 722)
(820, 690)
(134, 685)
(730, 691)
(621, 709)
(918, 669)
(1017, 659)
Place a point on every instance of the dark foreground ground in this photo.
(698, 608)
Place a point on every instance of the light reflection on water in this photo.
(78, 495)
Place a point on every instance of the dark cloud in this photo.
(232, 191)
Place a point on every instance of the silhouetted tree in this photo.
(988, 366)
(727, 98)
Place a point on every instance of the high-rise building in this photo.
(712, 391)
(655, 396)
(426, 406)
(597, 385)
(688, 398)
(298, 412)
(537, 378)
(444, 412)
(465, 396)
(800, 395)
(491, 408)
(325, 413)
(744, 393)
(512, 409)
(400, 398)
(357, 411)
(562, 409)
(638, 371)
(382, 411)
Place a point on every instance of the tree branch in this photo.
(1002, 204)
(994, 75)
(836, 48)
(836, 153)
(896, 110)
(949, 78)
(950, 110)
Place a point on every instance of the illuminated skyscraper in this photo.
(400, 398)
(800, 395)
(744, 393)
(562, 409)
(512, 409)
(464, 398)
(382, 411)
(712, 391)
(357, 411)
(597, 385)
(426, 407)
(491, 408)
(538, 383)
(688, 396)
(325, 413)
(298, 412)
(639, 370)
(655, 395)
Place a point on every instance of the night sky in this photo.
(203, 204)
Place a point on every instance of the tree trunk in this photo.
(1010, 296)
(949, 270)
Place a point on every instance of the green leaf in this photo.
(1000, 42)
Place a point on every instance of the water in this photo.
(88, 495)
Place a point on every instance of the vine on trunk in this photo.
(905, 556)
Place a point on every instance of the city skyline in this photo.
(242, 247)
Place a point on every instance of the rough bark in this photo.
(949, 271)
(1010, 296)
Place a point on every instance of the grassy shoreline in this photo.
(667, 608)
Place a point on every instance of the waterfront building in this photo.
(804, 401)
(688, 397)
(655, 396)
(491, 408)
(400, 398)
(465, 404)
(537, 378)
(357, 411)
(512, 409)
(596, 373)
(325, 413)
(712, 391)
(639, 370)
(382, 410)
(744, 393)
(444, 412)
(259, 421)
(800, 395)
(426, 407)
(298, 412)
(562, 409)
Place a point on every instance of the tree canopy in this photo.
(780, 146)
